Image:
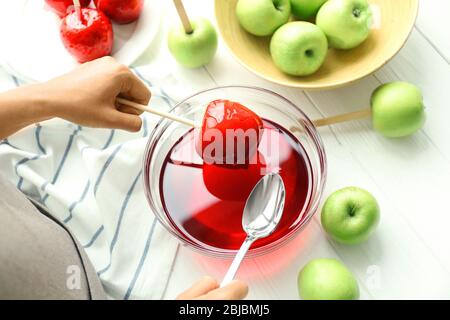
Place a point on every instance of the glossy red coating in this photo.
(89, 38)
(121, 11)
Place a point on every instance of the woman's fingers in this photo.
(125, 121)
(236, 290)
(202, 287)
(87, 95)
(128, 109)
(134, 89)
(208, 289)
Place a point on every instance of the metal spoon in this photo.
(262, 213)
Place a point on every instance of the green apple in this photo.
(350, 215)
(263, 17)
(306, 9)
(193, 50)
(345, 22)
(397, 109)
(299, 48)
(327, 279)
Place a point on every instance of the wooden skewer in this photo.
(361, 114)
(160, 113)
(183, 16)
(77, 5)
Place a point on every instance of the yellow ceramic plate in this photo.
(393, 22)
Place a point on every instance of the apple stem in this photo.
(183, 16)
(158, 112)
(77, 5)
(361, 114)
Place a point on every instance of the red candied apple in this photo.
(121, 11)
(234, 182)
(61, 7)
(230, 133)
(88, 38)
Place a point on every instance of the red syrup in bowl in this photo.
(205, 202)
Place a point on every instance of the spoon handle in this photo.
(237, 261)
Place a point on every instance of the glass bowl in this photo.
(268, 105)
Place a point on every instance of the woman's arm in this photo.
(20, 108)
(86, 96)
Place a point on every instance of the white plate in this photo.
(31, 49)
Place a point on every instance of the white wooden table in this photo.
(409, 256)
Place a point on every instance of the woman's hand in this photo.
(208, 289)
(87, 95)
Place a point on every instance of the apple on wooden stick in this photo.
(194, 42)
(222, 137)
(86, 33)
(397, 110)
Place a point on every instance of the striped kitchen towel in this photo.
(91, 180)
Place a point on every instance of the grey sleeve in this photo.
(39, 258)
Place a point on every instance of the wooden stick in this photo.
(183, 16)
(77, 5)
(361, 114)
(160, 113)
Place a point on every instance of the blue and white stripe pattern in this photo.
(90, 179)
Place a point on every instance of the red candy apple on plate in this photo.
(87, 36)
(121, 11)
(62, 7)
(37, 26)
